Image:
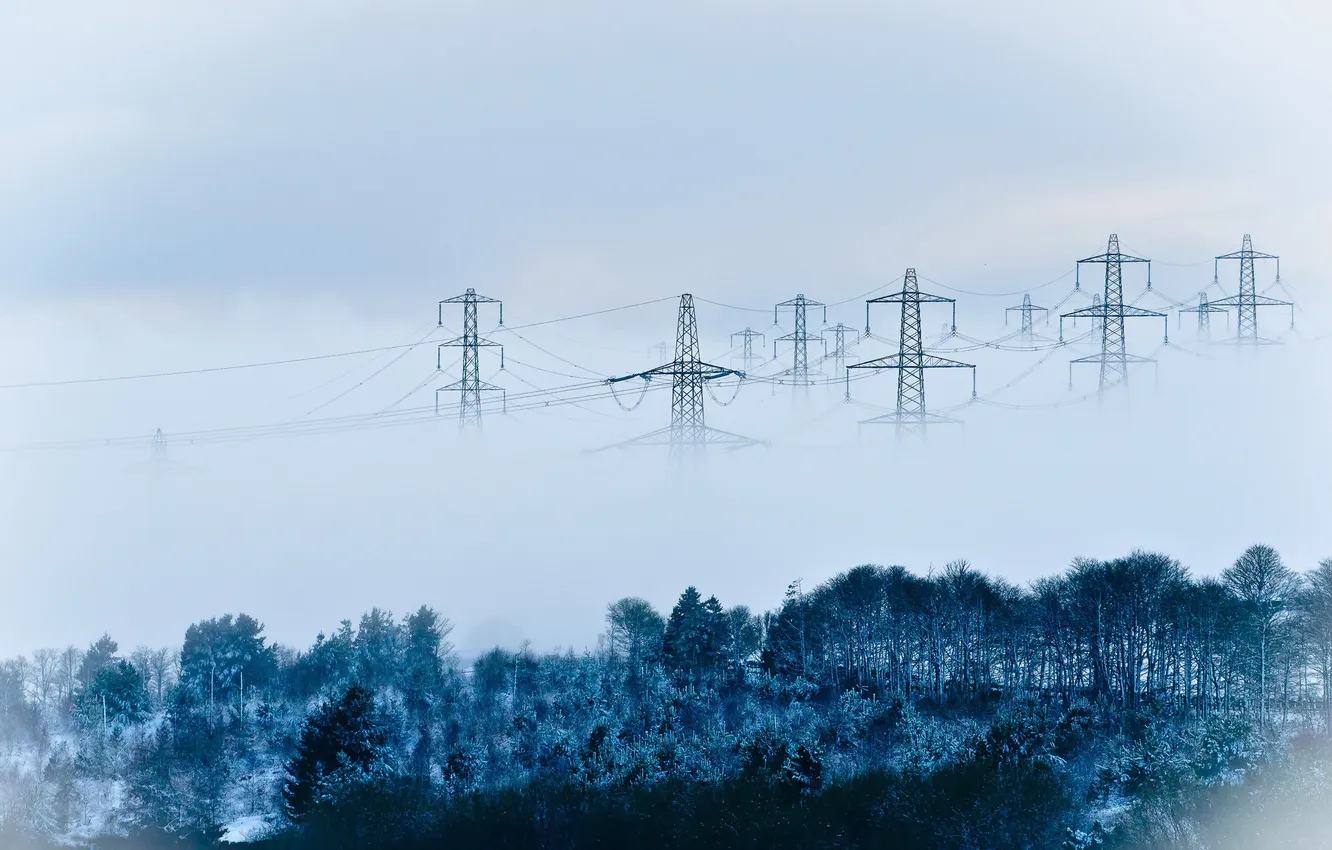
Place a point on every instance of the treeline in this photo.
(1256, 643)
(1114, 703)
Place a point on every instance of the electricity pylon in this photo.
(1112, 312)
(1248, 300)
(471, 342)
(799, 339)
(1205, 309)
(1028, 333)
(159, 450)
(839, 332)
(688, 435)
(661, 349)
(911, 418)
(747, 355)
(840, 348)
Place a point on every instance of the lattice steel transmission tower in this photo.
(662, 350)
(688, 435)
(911, 417)
(747, 355)
(840, 348)
(159, 447)
(1113, 358)
(839, 332)
(1248, 300)
(471, 342)
(1205, 309)
(799, 339)
(1026, 309)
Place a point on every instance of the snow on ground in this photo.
(246, 829)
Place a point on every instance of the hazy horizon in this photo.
(206, 188)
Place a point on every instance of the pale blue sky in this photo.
(378, 148)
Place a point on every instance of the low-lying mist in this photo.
(519, 533)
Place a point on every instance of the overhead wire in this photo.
(434, 374)
(367, 379)
(585, 392)
(577, 394)
(549, 353)
(541, 389)
(309, 358)
(1037, 288)
(765, 310)
(587, 315)
(206, 370)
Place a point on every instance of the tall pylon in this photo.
(799, 339)
(1113, 358)
(159, 449)
(840, 348)
(688, 435)
(747, 355)
(471, 342)
(662, 350)
(839, 332)
(911, 417)
(1026, 309)
(1205, 309)
(1248, 300)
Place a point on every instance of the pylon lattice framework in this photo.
(688, 435)
(1025, 309)
(471, 342)
(1248, 300)
(839, 347)
(1113, 358)
(839, 332)
(911, 417)
(799, 338)
(1205, 309)
(747, 356)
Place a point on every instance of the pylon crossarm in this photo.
(1114, 258)
(905, 297)
(925, 361)
(718, 437)
(895, 418)
(663, 437)
(1128, 311)
(700, 370)
(1255, 300)
(1101, 358)
(1096, 311)
(459, 341)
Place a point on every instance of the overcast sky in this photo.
(188, 185)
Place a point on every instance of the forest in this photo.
(1120, 703)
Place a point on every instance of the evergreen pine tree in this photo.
(681, 649)
(340, 743)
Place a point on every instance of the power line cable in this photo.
(549, 353)
(367, 379)
(207, 370)
(999, 294)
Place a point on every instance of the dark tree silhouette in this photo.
(339, 741)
